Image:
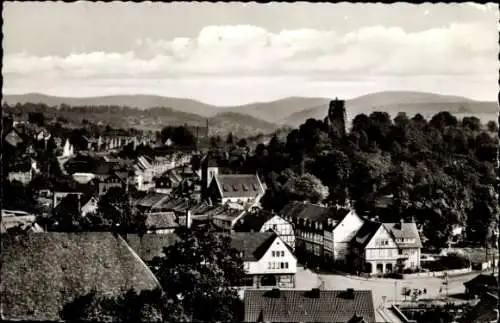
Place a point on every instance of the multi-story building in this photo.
(263, 221)
(267, 259)
(322, 232)
(380, 248)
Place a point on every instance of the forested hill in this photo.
(125, 117)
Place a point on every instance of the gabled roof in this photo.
(312, 212)
(239, 185)
(253, 244)
(406, 231)
(253, 221)
(161, 220)
(366, 232)
(149, 246)
(301, 306)
(43, 271)
(71, 201)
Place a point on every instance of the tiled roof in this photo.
(152, 200)
(407, 231)
(253, 221)
(149, 246)
(252, 244)
(366, 232)
(161, 220)
(301, 306)
(70, 203)
(312, 212)
(239, 185)
(43, 271)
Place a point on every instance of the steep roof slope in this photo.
(41, 272)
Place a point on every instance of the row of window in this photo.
(278, 253)
(277, 265)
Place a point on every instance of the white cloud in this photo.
(238, 52)
(244, 50)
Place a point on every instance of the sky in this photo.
(237, 53)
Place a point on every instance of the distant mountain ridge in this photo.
(288, 111)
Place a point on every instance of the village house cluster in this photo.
(171, 193)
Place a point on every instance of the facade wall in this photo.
(23, 177)
(413, 260)
(343, 234)
(381, 253)
(283, 228)
(275, 261)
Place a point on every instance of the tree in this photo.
(492, 126)
(181, 136)
(36, 118)
(230, 139)
(307, 188)
(471, 123)
(199, 273)
(146, 306)
(242, 143)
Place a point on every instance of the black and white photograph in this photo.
(250, 162)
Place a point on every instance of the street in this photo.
(380, 287)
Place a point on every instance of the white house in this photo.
(267, 259)
(341, 226)
(380, 248)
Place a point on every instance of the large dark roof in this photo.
(253, 221)
(70, 203)
(482, 280)
(149, 246)
(299, 306)
(239, 185)
(312, 212)
(253, 244)
(366, 232)
(41, 272)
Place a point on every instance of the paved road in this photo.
(380, 287)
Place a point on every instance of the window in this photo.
(275, 227)
(268, 265)
(273, 254)
(282, 253)
(282, 265)
(274, 265)
(400, 251)
(286, 265)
